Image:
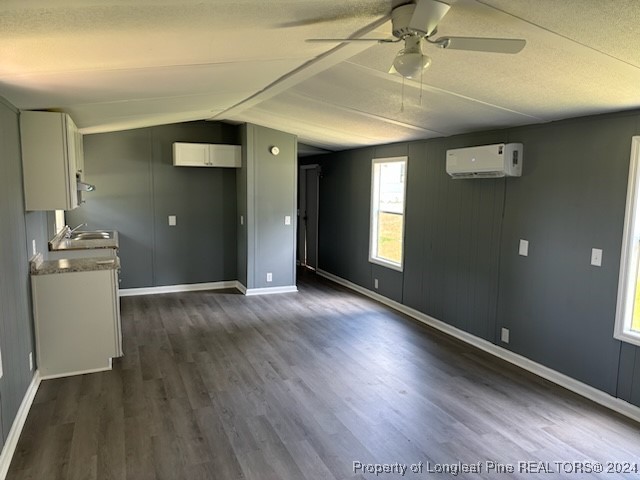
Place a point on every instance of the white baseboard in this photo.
(587, 391)
(18, 424)
(195, 287)
(189, 287)
(270, 290)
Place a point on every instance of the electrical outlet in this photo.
(375, 283)
(269, 277)
(31, 361)
(34, 249)
(504, 335)
(173, 220)
(287, 220)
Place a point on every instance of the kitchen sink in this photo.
(96, 235)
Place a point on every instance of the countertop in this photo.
(58, 244)
(48, 267)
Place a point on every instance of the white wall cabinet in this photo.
(77, 321)
(51, 156)
(206, 155)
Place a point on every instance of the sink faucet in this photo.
(70, 232)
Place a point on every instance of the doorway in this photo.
(308, 216)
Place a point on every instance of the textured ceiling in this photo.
(113, 65)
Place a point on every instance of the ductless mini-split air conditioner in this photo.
(486, 161)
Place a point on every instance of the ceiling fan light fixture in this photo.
(411, 65)
(410, 61)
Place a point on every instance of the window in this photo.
(388, 185)
(627, 326)
(59, 221)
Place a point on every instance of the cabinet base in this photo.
(80, 372)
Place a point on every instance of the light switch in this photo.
(172, 220)
(287, 220)
(524, 248)
(241, 219)
(33, 247)
(596, 257)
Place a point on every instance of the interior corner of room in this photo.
(496, 210)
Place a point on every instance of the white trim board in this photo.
(587, 391)
(270, 290)
(196, 287)
(188, 287)
(18, 424)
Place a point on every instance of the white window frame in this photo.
(373, 218)
(629, 255)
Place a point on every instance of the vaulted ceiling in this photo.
(115, 65)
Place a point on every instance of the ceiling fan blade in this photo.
(360, 12)
(477, 44)
(427, 15)
(348, 40)
(311, 21)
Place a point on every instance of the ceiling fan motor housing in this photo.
(400, 19)
(418, 18)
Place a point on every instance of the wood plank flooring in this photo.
(215, 385)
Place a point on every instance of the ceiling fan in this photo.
(415, 23)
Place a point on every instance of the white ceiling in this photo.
(114, 66)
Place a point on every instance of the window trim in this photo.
(372, 221)
(628, 261)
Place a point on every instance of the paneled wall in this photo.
(266, 195)
(137, 188)
(461, 242)
(16, 333)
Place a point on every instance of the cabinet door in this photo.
(225, 156)
(48, 170)
(191, 154)
(75, 319)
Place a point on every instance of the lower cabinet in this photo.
(77, 322)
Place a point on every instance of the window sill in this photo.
(629, 337)
(392, 266)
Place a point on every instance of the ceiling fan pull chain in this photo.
(402, 101)
(421, 89)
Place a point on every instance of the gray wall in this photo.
(559, 308)
(461, 242)
(270, 194)
(137, 187)
(16, 331)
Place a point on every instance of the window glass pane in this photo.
(635, 322)
(392, 187)
(390, 236)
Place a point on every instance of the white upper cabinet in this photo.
(206, 155)
(51, 156)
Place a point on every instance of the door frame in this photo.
(302, 235)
